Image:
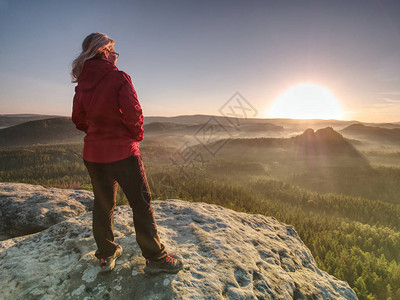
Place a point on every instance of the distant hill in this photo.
(260, 127)
(288, 124)
(170, 128)
(322, 147)
(61, 129)
(372, 133)
(383, 125)
(15, 119)
(7, 120)
(162, 126)
(53, 130)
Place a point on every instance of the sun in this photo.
(306, 101)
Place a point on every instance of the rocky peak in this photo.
(321, 136)
(329, 143)
(329, 135)
(227, 255)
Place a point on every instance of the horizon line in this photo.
(209, 115)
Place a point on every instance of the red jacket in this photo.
(106, 108)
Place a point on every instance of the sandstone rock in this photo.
(227, 255)
(26, 208)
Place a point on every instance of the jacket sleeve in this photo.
(79, 115)
(130, 109)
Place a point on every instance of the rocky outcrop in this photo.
(227, 255)
(327, 148)
(325, 141)
(26, 208)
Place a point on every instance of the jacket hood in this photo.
(93, 72)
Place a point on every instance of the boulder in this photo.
(27, 209)
(227, 255)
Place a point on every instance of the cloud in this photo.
(392, 93)
(392, 100)
(379, 112)
(385, 109)
(385, 103)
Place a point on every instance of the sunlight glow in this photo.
(306, 101)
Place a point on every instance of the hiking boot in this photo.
(169, 264)
(108, 263)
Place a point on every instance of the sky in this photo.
(190, 57)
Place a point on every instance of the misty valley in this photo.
(336, 182)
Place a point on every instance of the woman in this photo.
(106, 108)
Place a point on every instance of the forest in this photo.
(353, 235)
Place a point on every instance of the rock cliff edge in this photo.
(227, 255)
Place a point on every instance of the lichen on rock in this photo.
(27, 209)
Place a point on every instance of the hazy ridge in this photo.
(44, 130)
(7, 120)
(335, 181)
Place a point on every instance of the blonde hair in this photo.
(92, 47)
